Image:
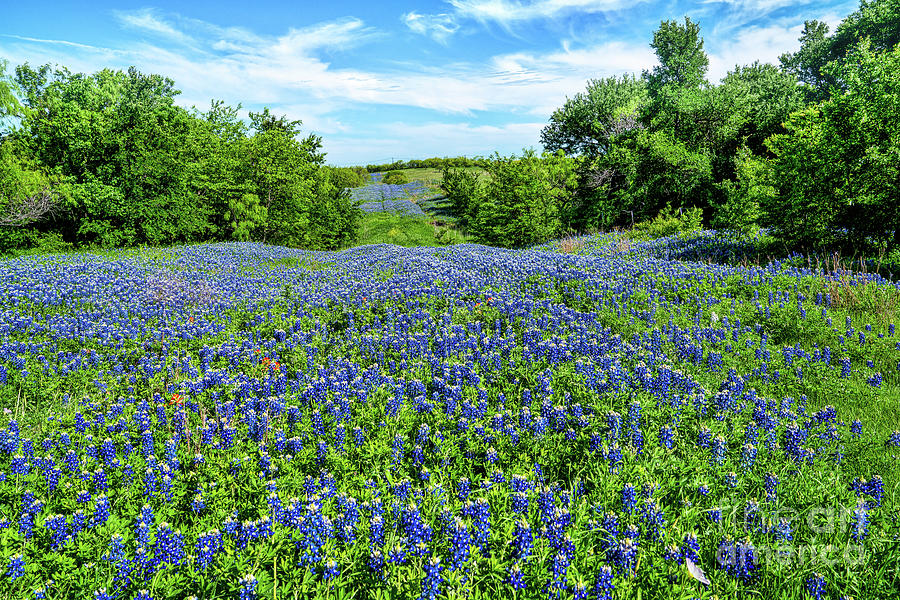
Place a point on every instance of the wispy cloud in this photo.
(149, 21)
(52, 42)
(765, 44)
(438, 27)
(506, 12)
(489, 98)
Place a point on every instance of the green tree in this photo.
(244, 216)
(681, 73)
(759, 98)
(9, 101)
(587, 123)
(281, 174)
(463, 191)
(120, 139)
(877, 20)
(743, 196)
(519, 205)
(302, 206)
(395, 177)
(661, 170)
(836, 168)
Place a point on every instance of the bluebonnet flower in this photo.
(666, 437)
(418, 533)
(59, 531)
(19, 465)
(460, 544)
(783, 530)
(770, 482)
(375, 562)
(704, 438)
(515, 578)
(482, 525)
(208, 545)
(860, 522)
(463, 488)
(102, 594)
(248, 587)
(397, 555)
(629, 498)
(376, 532)
(614, 457)
(625, 556)
(748, 457)
(15, 568)
(653, 519)
(717, 458)
(875, 488)
(523, 540)
(603, 585)
(815, 585)
(331, 570)
(737, 558)
(431, 582)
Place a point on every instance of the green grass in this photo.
(385, 228)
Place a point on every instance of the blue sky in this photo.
(385, 80)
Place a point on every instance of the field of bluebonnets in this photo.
(390, 198)
(642, 420)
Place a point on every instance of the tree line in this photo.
(809, 149)
(109, 160)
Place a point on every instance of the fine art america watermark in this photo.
(820, 520)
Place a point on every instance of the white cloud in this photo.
(506, 12)
(758, 6)
(293, 74)
(439, 27)
(148, 20)
(765, 44)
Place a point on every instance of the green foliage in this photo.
(743, 196)
(520, 203)
(661, 170)
(9, 102)
(344, 177)
(669, 222)
(463, 190)
(334, 217)
(395, 178)
(760, 99)
(128, 166)
(682, 61)
(245, 215)
(814, 63)
(673, 85)
(836, 169)
(427, 163)
(587, 123)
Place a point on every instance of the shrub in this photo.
(343, 177)
(520, 206)
(668, 223)
(395, 178)
(462, 190)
